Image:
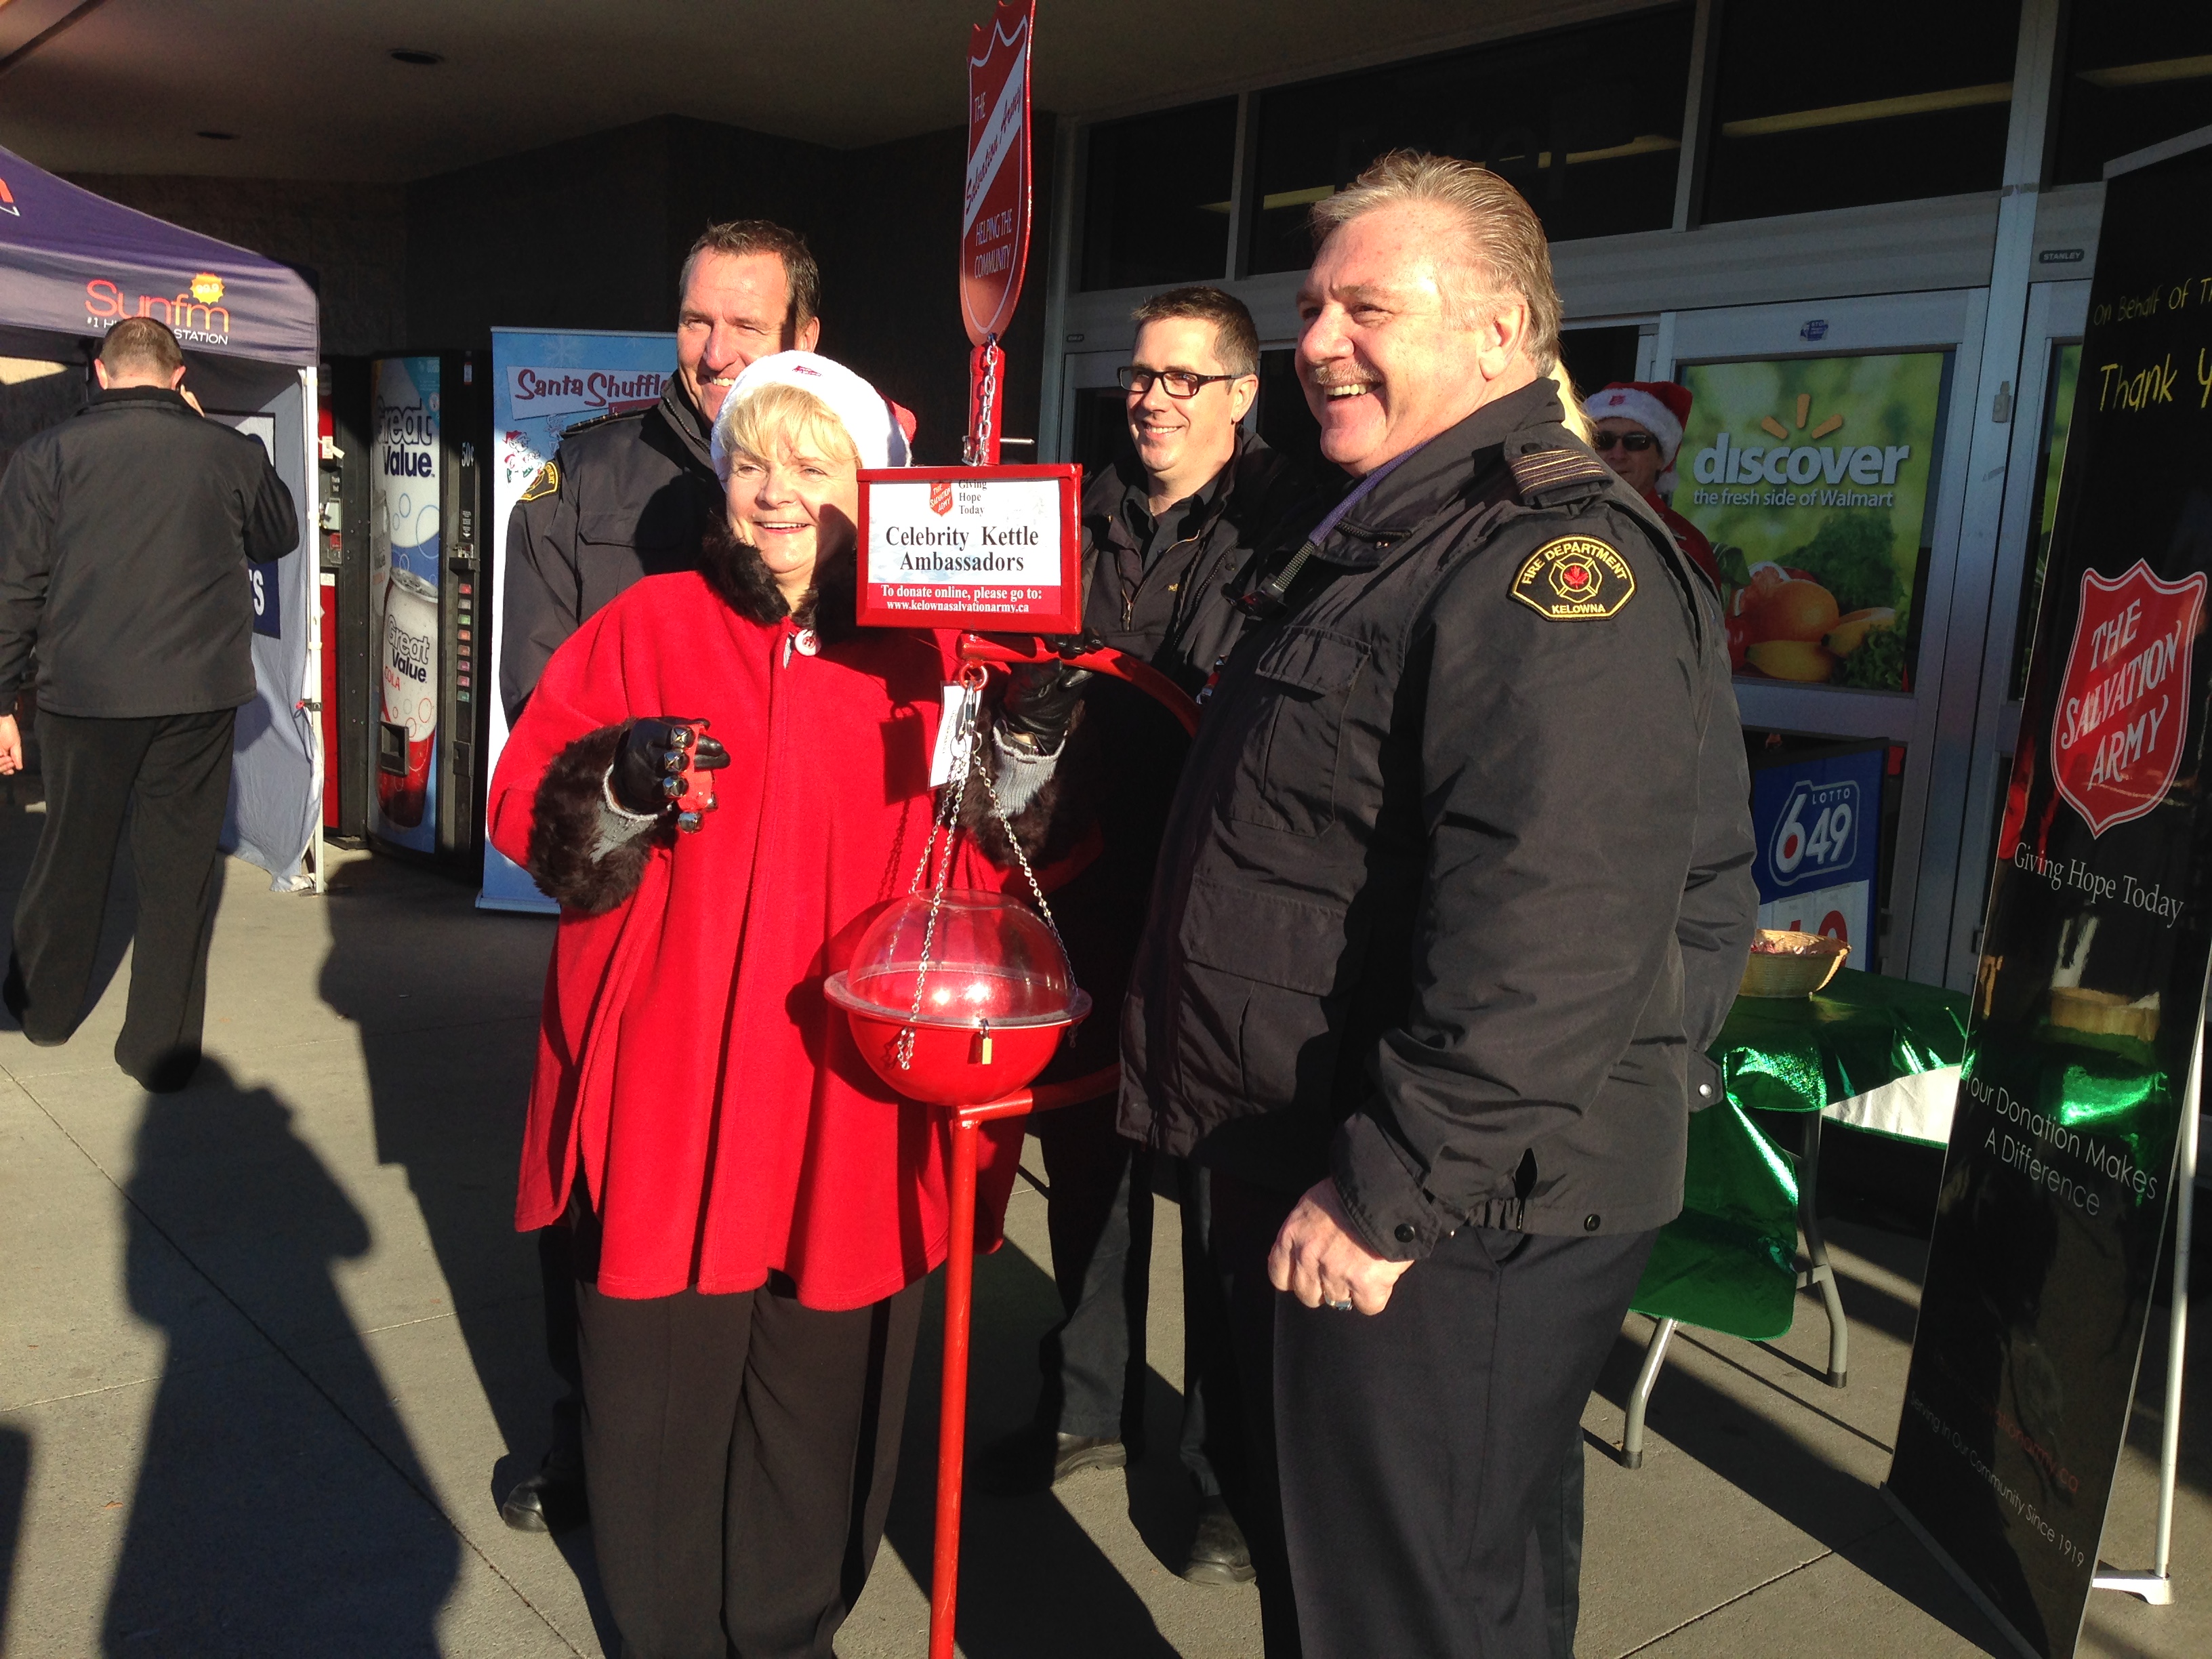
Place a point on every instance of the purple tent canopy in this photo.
(75, 263)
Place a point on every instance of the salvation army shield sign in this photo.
(995, 224)
(2122, 711)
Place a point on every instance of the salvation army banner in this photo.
(1811, 477)
(544, 382)
(2092, 982)
(994, 215)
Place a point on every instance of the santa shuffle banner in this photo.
(994, 225)
(2080, 1064)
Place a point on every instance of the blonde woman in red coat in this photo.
(755, 1211)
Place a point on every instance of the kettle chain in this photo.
(946, 822)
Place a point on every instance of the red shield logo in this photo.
(940, 497)
(2122, 711)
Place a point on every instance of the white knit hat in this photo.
(1660, 407)
(865, 414)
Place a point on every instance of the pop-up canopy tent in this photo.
(72, 264)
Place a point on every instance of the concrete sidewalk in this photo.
(268, 1348)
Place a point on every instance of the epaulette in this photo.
(1545, 478)
(597, 421)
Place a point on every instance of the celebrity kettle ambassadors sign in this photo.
(959, 547)
(2092, 974)
(994, 222)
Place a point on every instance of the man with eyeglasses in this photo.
(1171, 532)
(1639, 432)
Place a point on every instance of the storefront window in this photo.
(2133, 76)
(1815, 478)
(1596, 357)
(1156, 197)
(2051, 463)
(1908, 99)
(1586, 122)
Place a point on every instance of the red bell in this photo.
(974, 1014)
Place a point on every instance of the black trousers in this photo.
(1098, 1217)
(740, 1452)
(1417, 1447)
(1388, 1465)
(172, 771)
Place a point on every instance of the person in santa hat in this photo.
(1638, 433)
(754, 1212)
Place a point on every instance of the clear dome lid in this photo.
(991, 958)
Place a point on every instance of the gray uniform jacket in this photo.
(1457, 881)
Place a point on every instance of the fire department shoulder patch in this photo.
(1574, 578)
(547, 481)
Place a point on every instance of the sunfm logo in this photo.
(194, 314)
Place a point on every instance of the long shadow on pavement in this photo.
(266, 1518)
(1031, 1580)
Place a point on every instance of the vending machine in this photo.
(429, 425)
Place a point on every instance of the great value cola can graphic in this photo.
(410, 693)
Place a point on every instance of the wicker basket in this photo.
(1793, 975)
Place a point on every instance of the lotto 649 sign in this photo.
(994, 225)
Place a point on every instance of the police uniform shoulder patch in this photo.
(547, 481)
(1574, 578)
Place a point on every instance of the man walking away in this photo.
(125, 537)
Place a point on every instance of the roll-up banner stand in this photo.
(545, 382)
(2082, 1057)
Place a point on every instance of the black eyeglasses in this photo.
(1180, 382)
(1634, 442)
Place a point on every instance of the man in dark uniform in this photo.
(628, 496)
(1168, 531)
(1456, 883)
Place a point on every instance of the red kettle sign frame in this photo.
(995, 209)
(994, 225)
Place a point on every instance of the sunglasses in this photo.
(1634, 442)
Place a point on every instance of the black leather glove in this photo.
(647, 775)
(1040, 701)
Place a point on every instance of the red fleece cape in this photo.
(688, 1061)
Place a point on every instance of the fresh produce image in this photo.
(1810, 475)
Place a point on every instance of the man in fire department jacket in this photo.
(625, 497)
(1454, 891)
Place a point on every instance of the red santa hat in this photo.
(1660, 407)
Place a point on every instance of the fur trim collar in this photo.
(744, 583)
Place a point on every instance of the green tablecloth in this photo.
(1729, 1262)
(1805, 1053)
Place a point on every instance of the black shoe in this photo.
(1219, 1554)
(167, 1073)
(551, 1500)
(1030, 1460)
